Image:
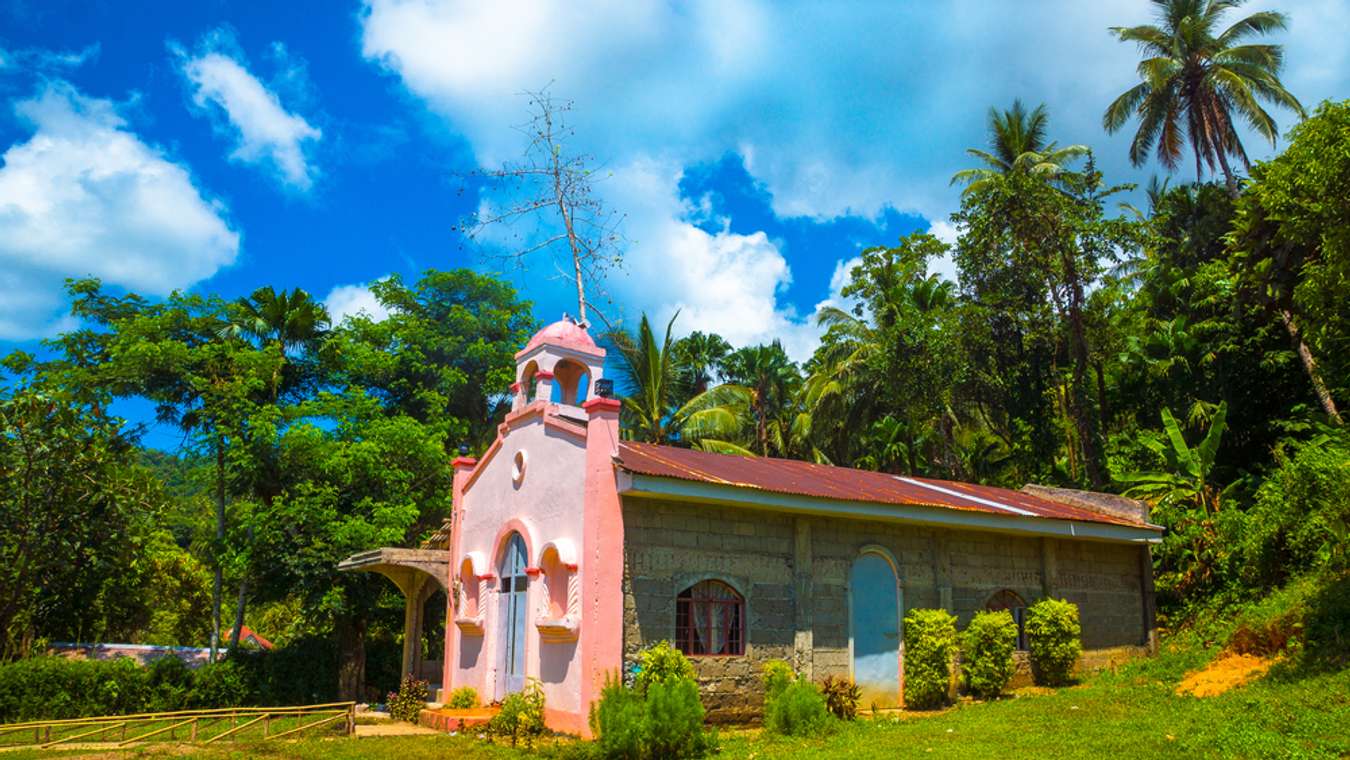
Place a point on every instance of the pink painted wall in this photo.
(545, 506)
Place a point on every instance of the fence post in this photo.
(267, 725)
(351, 718)
(194, 730)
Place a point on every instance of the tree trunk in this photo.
(218, 580)
(351, 632)
(239, 612)
(1084, 416)
(1310, 365)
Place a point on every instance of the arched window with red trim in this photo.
(710, 619)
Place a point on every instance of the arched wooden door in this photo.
(874, 626)
(511, 610)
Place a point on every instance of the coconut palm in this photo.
(711, 420)
(288, 321)
(772, 379)
(699, 355)
(1017, 142)
(1201, 80)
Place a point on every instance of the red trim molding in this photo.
(599, 404)
(543, 374)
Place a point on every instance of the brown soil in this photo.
(1228, 672)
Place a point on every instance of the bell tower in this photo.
(559, 365)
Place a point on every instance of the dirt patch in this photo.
(1228, 672)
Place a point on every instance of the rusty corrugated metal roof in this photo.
(790, 476)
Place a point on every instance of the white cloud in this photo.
(264, 131)
(835, 111)
(350, 300)
(84, 196)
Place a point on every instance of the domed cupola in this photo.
(560, 364)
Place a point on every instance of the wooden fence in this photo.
(202, 726)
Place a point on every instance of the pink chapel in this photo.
(569, 550)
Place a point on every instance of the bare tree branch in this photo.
(558, 196)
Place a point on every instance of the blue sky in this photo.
(753, 147)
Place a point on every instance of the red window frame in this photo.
(727, 606)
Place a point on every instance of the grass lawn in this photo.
(1131, 713)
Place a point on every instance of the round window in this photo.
(518, 468)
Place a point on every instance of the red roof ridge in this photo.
(797, 477)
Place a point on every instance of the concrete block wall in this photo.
(793, 572)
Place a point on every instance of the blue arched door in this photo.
(874, 625)
(515, 585)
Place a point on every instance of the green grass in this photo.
(1130, 713)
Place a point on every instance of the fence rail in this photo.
(204, 726)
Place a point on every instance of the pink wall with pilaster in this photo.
(546, 507)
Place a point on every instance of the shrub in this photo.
(841, 697)
(792, 706)
(987, 647)
(798, 710)
(661, 662)
(665, 723)
(930, 642)
(777, 676)
(463, 698)
(42, 688)
(1053, 635)
(674, 720)
(618, 720)
(227, 683)
(521, 715)
(407, 703)
(170, 684)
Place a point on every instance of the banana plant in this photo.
(1186, 481)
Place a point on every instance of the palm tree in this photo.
(772, 379)
(698, 356)
(288, 321)
(1191, 72)
(710, 420)
(1017, 142)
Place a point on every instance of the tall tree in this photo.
(1204, 81)
(1017, 142)
(699, 358)
(1291, 245)
(549, 203)
(772, 379)
(712, 420)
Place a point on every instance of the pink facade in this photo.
(548, 479)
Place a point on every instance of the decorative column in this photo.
(463, 468)
(601, 562)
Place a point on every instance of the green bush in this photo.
(521, 715)
(410, 699)
(987, 647)
(230, 682)
(42, 688)
(930, 642)
(792, 706)
(463, 698)
(674, 720)
(664, 722)
(777, 676)
(1301, 519)
(661, 662)
(1053, 635)
(841, 697)
(798, 710)
(619, 720)
(171, 683)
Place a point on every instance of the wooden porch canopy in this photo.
(413, 571)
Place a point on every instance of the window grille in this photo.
(710, 619)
